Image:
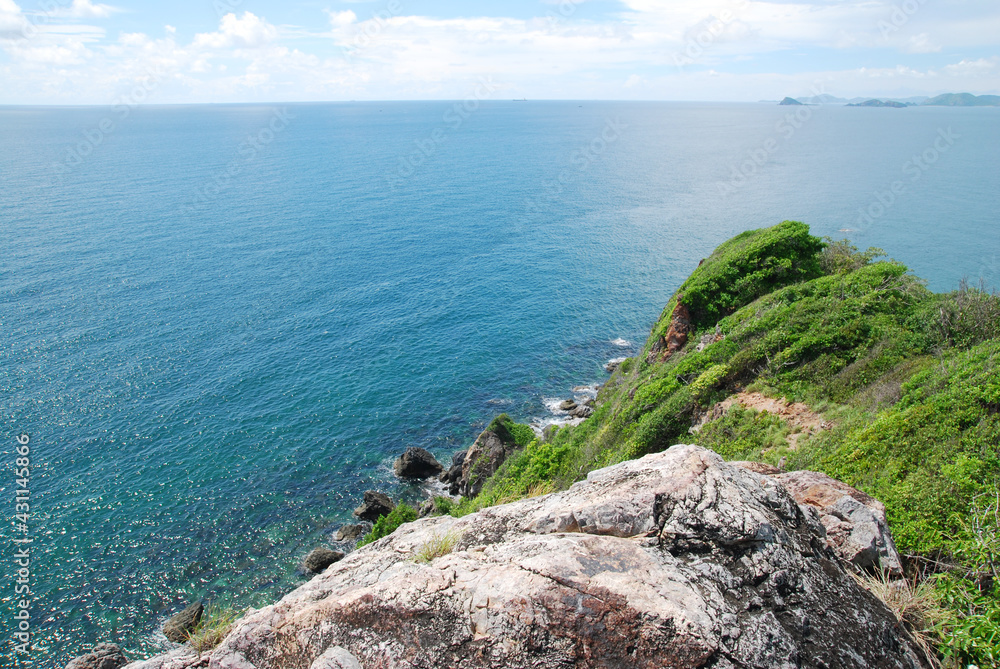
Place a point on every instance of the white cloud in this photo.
(87, 10)
(249, 31)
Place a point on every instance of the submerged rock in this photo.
(677, 559)
(417, 463)
(103, 656)
(320, 558)
(375, 505)
(180, 627)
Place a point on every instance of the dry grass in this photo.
(213, 628)
(437, 546)
(915, 605)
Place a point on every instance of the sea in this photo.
(220, 324)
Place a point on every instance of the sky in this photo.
(84, 52)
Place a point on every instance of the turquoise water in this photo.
(221, 323)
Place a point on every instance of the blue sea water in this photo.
(220, 324)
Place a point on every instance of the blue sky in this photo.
(188, 51)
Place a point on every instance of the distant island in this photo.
(945, 100)
(881, 103)
(964, 100)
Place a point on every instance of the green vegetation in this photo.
(387, 524)
(214, 626)
(437, 546)
(909, 380)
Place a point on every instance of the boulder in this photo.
(417, 463)
(567, 405)
(180, 627)
(483, 459)
(582, 411)
(103, 656)
(319, 559)
(351, 532)
(180, 658)
(375, 505)
(677, 559)
(611, 365)
(855, 523)
(453, 474)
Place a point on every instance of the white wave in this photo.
(624, 343)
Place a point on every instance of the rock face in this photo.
(855, 523)
(674, 560)
(676, 336)
(492, 448)
(178, 628)
(320, 558)
(417, 463)
(104, 656)
(453, 474)
(375, 505)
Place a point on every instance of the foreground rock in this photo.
(375, 505)
(417, 463)
(179, 658)
(180, 627)
(104, 656)
(856, 526)
(319, 559)
(674, 560)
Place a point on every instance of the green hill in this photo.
(906, 380)
(964, 100)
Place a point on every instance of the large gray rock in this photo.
(180, 627)
(855, 523)
(103, 656)
(417, 463)
(375, 505)
(674, 560)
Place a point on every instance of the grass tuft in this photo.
(437, 546)
(215, 625)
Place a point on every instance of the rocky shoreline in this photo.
(677, 559)
(469, 469)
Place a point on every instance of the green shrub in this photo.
(840, 257)
(748, 266)
(213, 627)
(387, 524)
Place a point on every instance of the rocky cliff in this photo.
(677, 559)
